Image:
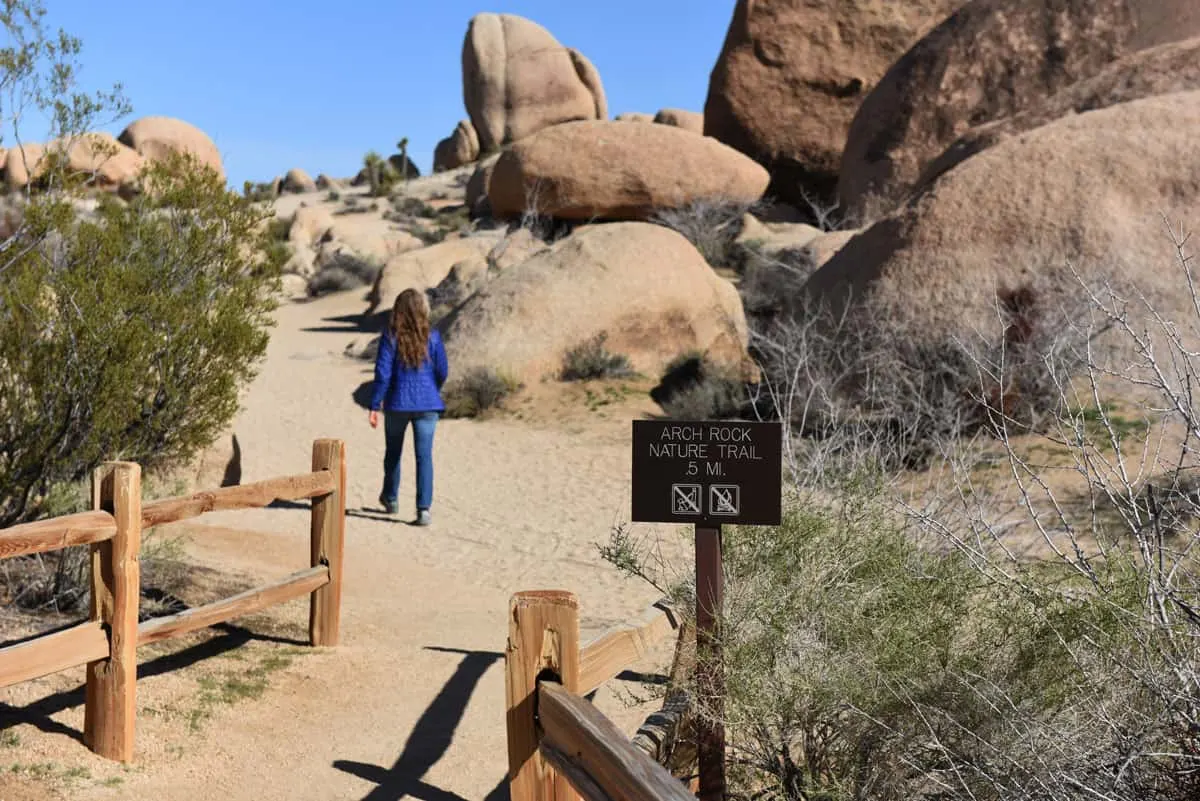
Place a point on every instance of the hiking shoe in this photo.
(391, 507)
(423, 517)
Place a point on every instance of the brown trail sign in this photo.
(708, 473)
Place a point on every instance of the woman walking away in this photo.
(410, 370)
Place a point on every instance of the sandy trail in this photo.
(412, 702)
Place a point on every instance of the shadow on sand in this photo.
(40, 713)
(430, 739)
(366, 323)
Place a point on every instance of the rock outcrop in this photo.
(792, 73)
(1080, 197)
(687, 120)
(614, 171)
(157, 137)
(644, 286)
(458, 149)
(1160, 70)
(518, 79)
(990, 60)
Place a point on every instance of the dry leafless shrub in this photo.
(769, 278)
(1108, 500)
(877, 385)
(477, 392)
(1029, 635)
(543, 226)
(591, 359)
(344, 271)
(693, 387)
(711, 224)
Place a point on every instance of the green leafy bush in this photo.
(127, 335)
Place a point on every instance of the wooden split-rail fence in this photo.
(560, 747)
(107, 642)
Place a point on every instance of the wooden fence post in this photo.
(328, 543)
(110, 698)
(543, 636)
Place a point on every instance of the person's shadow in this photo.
(430, 739)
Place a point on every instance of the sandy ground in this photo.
(411, 704)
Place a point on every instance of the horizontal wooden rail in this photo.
(592, 753)
(55, 533)
(248, 602)
(245, 496)
(616, 649)
(667, 736)
(51, 653)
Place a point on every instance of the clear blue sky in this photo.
(316, 84)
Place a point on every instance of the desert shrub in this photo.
(344, 271)
(478, 391)
(712, 226)
(127, 334)
(692, 387)
(278, 228)
(408, 206)
(769, 280)
(863, 659)
(381, 174)
(878, 383)
(591, 359)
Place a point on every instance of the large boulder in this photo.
(518, 79)
(642, 285)
(297, 181)
(1080, 197)
(476, 191)
(1160, 70)
(24, 164)
(791, 76)
(458, 149)
(309, 226)
(425, 268)
(157, 138)
(634, 116)
(99, 157)
(102, 160)
(990, 60)
(107, 163)
(615, 171)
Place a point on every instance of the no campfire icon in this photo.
(724, 499)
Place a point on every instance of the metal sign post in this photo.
(708, 473)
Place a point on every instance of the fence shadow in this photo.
(430, 738)
(40, 713)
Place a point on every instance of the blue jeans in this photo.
(395, 424)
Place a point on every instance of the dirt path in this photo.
(412, 702)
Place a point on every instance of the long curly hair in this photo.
(410, 327)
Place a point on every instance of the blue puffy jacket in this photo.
(400, 388)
